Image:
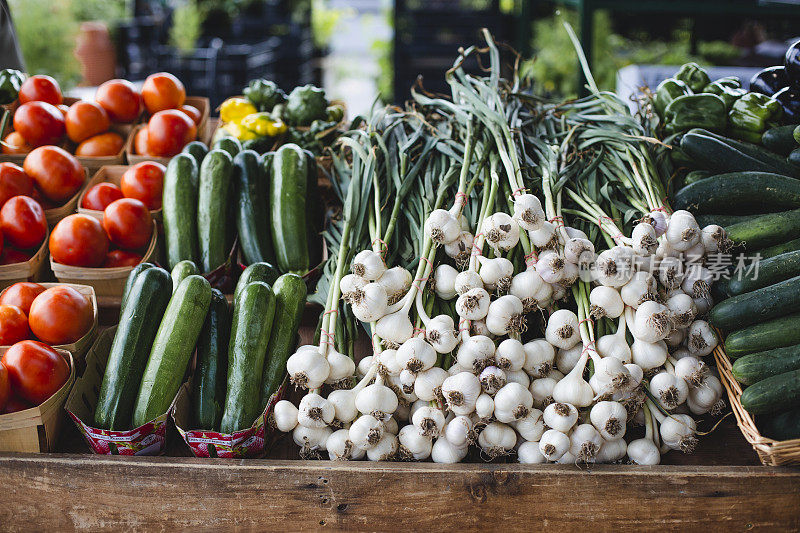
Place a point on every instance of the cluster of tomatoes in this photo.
(173, 123)
(143, 181)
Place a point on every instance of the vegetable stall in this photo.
(480, 301)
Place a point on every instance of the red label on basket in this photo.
(149, 439)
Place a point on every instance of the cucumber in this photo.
(181, 271)
(212, 206)
(179, 209)
(228, 144)
(757, 306)
(208, 389)
(172, 349)
(253, 315)
(736, 191)
(695, 175)
(287, 199)
(138, 269)
(722, 220)
(255, 272)
(252, 220)
(290, 300)
(756, 152)
(711, 152)
(773, 394)
(761, 365)
(197, 150)
(775, 333)
(781, 426)
(794, 158)
(778, 249)
(780, 139)
(138, 323)
(770, 271)
(766, 230)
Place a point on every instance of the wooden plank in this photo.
(66, 492)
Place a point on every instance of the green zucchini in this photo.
(722, 220)
(287, 199)
(253, 315)
(778, 249)
(183, 270)
(252, 220)
(737, 191)
(770, 271)
(212, 208)
(210, 379)
(773, 394)
(781, 426)
(197, 150)
(179, 209)
(766, 230)
(719, 154)
(290, 300)
(775, 333)
(757, 306)
(138, 323)
(172, 349)
(138, 269)
(780, 139)
(228, 144)
(761, 365)
(256, 272)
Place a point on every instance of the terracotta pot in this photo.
(95, 51)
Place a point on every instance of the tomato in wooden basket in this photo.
(23, 223)
(14, 143)
(86, 119)
(2, 242)
(120, 100)
(101, 196)
(22, 295)
(61, 315)
(36, 371)
(144, 182)
(13, 182)
(40, 88)
(104, 145)
(128, 224)
(193, 113)
(122, 258)
(13, 325)
(168, 132)
(11, 256)
(162, 91)
(79, 240)
(140, 141)
(5, 387)
(57, 173)
(39, 123)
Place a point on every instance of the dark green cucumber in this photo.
(172, 349)
(756, 152)
(709, 152)
(781, 426)
(735, 191)
(138, 323)
(780, 139)
(253, 315)
(256, 272)
(183, 270)
(766, 230)
(212, 208)
(179, 209)
(770, 271)
(722, 220)
(290, 300)
(773, 394)
(252, 219)
(775, 333)
(197, 150)
(778, 249)
(757, 306)
(229, 144)
(211, 373)
(761, 365)
(138, 269)
(287, 199)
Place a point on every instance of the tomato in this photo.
(39, 123)
(11, 256)
(162, 91)
(36, 371)
(40, 88)
(2, 242)
(21, 294)
(128, 223)
(86, 119)
(121, 258)
(120, 100)
(101, 196)
(5, 388)
(64, 108)
(61, 315)
(15, 403)
(168, 132)
(13, 182)
(13, 325)
(14, 143)
(144, 182)
(57, 173)
(193, 113)
(23, 223)
(79, 240)
(103, 145)
(140, 141)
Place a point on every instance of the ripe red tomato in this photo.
(61, 315)
(64, 108)
(193, 113)
(15, 403)
(86, 119)
(39, 123)
(120, 100)
(40, 88)
(14, 143)
(13, 182)
(5, 387)
(144, 182)
(23, 223)
(140, 141)
(122, 258)
(57, 173)
(101, 196)
(2, 242)
(128, 224)
(11, 256)
(79, 240)
(13, 325)
(105, 144)
(162, 91)
(36, 371)
(168, 132)
(22, 295)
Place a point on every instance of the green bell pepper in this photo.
(752, 114)
(729, 89)
(694, 76)
(667, 91)
(264, 94)
(695, 111)
(10, 83)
